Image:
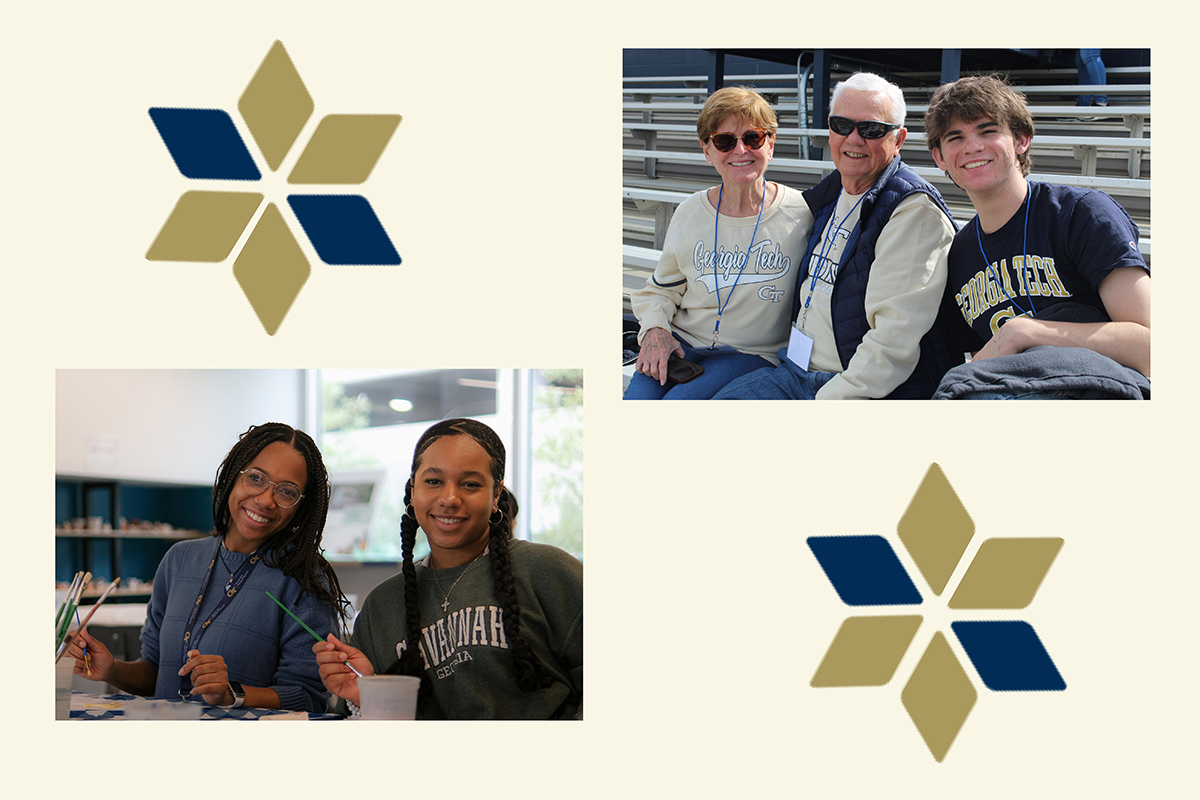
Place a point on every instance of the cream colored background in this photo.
(707, 615)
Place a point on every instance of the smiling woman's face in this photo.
(741, 165)
(253, 519)
(453, 496)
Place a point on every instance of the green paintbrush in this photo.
(69, 607)
(316, 635)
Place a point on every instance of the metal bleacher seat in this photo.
(663, 163)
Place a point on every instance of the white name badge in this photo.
(799, 348)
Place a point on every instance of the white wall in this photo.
(169, 426)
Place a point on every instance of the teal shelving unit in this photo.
(130, 554)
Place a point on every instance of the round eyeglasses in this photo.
(753, 139)
(868, 128)
(255, 482)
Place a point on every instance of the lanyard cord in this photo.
(235, 583)
(826, 246)
(1024, 259)
(749, 250)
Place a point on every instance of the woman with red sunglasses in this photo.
(721, 295)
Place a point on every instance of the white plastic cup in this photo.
(388, 696)
(64, 676)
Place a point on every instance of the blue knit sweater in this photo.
(261, 645)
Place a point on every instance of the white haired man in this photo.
(865, 321)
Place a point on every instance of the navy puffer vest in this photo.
(848, 303)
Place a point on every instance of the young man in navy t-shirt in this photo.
(1041, 264)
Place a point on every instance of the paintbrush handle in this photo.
(103, 595)
(74, 609)
(66, 599)
(65, 625)
(288, 611)
(315, 635)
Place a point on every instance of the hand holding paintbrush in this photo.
(81, 646)
(72, 609)
(316, 635)
(92, 659)
(333, 657)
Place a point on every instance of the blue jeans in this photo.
(1091, 73)
(784, 382)
(721, 365)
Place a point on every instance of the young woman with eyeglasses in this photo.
(492, 625)
(721, 295)
(234, 645)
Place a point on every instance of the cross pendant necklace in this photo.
(446, 595)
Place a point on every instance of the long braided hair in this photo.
(531, 674)
(295, 550)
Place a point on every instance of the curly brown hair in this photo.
(974, 98)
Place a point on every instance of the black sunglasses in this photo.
(753, 139)
(867, 129)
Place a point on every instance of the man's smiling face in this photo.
(980, 155)
(860, 161)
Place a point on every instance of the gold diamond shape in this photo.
(344, 148)
(275, 105)
(938, 696)
(1006, 573)
(204, 226)
(936, 529)
(271, 269)
(866, 651)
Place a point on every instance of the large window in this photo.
(371, 419)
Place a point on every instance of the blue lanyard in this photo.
(826, 246)
(1024, 259)
(749, 250)
(231, 589)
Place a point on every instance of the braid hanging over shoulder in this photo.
(409, 662)
(531, 673)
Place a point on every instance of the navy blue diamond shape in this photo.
(864, 570)
(343, 229)
(205, 144)
(1008, 656)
